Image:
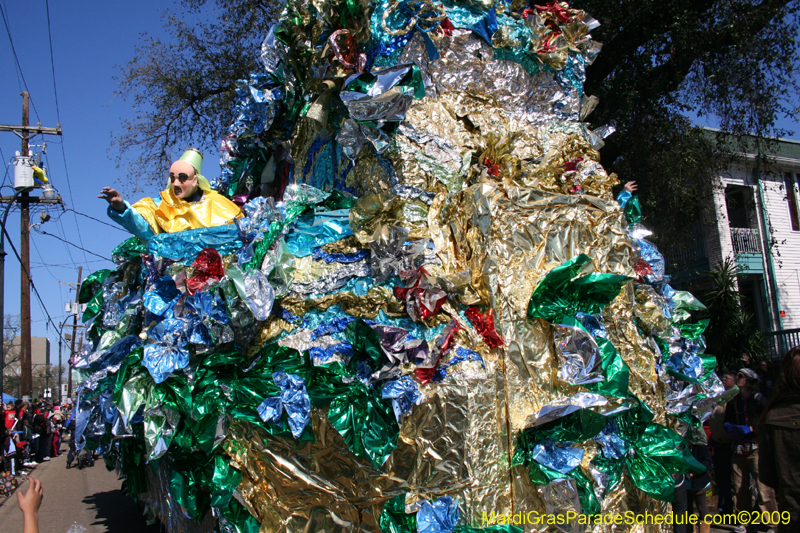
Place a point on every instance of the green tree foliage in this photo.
(661, 61)
(731, 330)
(183, 89)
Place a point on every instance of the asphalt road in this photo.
(91, 498)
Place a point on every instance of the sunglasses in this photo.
(740, 375)
(180, 177)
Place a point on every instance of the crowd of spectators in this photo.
(752, 450)
(31, 433)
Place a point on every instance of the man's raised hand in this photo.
(114, 199)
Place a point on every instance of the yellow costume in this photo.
(173, 214)
(147, 218)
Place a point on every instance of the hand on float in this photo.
(631, 186)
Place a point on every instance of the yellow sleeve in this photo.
(147, 208)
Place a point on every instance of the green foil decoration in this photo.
(564, 291)
(633, 210)
(225, 481)
(92, 284)
(239, 517)
(394, 518)
(366, 423)
(130, 250)
(693, 331)
(366, 344)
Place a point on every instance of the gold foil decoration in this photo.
(366, 306)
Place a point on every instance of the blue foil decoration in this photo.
(110, 358)
(271, 410)
(185, 245)
(293, 399)
(464, 354)
(206, 306)
(321, 356)
(440, 516)
(653, 257)
(486, 27)
(404, 393)
(161, 299)
(612, 443)
(167, 353)
(313, 231)
(320, 254)
(557, 456)
(593, 324)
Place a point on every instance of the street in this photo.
(91, 497)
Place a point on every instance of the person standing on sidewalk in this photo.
(741, 421)
(779, 441)
(721, 446)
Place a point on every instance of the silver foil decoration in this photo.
(561, 496)
(564, 406)
(334, 280)
(581, 362)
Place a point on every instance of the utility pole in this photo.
(24, 199)
(25, 281)
(74, 331)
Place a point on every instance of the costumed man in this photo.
(188, 202)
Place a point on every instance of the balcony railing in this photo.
(745, 241)
(777, 343)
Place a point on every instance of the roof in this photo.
(748, 144)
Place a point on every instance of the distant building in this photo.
(40, 353)
(755, 220)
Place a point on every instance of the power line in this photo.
(97, 220)
(16, 58)
(72, 201)
(42, 258)
(62, 265)
(72, 244)
(58, 117)
(52, 62)
(30, 279)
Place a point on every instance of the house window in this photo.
(791, 197)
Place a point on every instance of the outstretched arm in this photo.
(123, 214)
(29, 503)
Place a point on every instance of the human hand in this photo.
(30, 501)
(631, 186)
(114, 199)
(737, 432)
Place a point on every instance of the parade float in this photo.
(434, 316)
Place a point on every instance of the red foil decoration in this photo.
(443, 345)
(485, 326)
(207, 268)
(642, 269)
(422, 299)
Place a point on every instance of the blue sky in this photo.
(89, 40)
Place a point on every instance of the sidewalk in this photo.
(91, 497)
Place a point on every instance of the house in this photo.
(753, 217)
